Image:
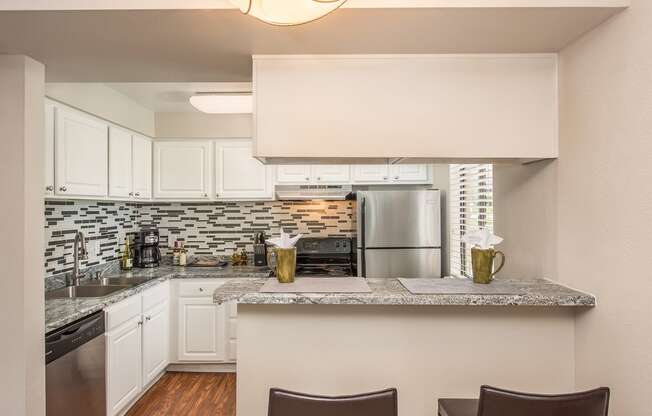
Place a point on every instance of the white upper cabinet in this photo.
(410, 173)
(292, 174)
(238, 175)
(313, 174)
(331, 174)
(49, 148)
(391, 174)
(120, 163)
(182, 169)
(81, 156)
(142, 167)
(408, 106)
(370, 173)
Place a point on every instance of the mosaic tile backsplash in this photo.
(216, 228)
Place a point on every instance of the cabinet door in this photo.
(120, 172)
(81, 154)
(410, 173)
(238, 174)
(156, 341)
(370, 173)
(201, 330)
(181, 169)
(124, 363)
(49, 148)
(142, 167)
(232, 331)
(293, 174)
(334, 174)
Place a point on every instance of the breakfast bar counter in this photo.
(428, 346)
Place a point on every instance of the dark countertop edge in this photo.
(126, 293)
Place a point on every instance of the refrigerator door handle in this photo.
(363, 220)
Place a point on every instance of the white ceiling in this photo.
(216, 45)
(172, 97)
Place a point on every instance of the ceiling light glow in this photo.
(287, 12)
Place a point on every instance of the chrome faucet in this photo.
(79, 253)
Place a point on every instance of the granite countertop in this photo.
(59, 312)
(540, 292)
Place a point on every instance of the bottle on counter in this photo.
(127, 260)
(183, 255)
(176, 255)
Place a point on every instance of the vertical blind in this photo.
(471, 208)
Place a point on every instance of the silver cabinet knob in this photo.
(205, 195)
(148, 318)
(319, 178)
(137, 193)
(49, 188)
(131, 194)
(63, 189)
(217, 195)
(396, 177)
(307, 179)
(140, 323)
(385, 178)
(201, 289)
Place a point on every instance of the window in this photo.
(471, 208)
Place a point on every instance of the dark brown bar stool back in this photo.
(288, 403)
(497, 402)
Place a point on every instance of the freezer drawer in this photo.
(416, 262)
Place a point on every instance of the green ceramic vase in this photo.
(483, 264)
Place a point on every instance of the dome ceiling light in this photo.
(287, 12)
(223, 103)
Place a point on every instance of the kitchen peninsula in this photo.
(445, 344)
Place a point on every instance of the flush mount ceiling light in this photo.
(287, 12)
(223, 103)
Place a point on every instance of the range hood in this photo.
(306, 192)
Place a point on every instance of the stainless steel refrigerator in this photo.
(399, 233)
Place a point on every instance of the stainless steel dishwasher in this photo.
(75, 368)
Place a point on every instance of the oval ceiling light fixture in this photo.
(287, 12)
(223, 103)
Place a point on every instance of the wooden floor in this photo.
(189, 394)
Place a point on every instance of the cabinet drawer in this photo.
(155, 295)
(198, 289)
(122, 312)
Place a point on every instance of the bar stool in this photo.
(288, 403)
(498, 402)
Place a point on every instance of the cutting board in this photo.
(434, 286)
(318, 285)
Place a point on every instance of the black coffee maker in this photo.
(146, 251)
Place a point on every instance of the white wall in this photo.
(21, 236)
(525, 215)
(201, 125)
(105, 102)
(605, 203)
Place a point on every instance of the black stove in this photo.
(325, 257)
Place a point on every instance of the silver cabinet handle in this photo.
(63, 189)
(49, 188)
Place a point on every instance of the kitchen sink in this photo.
(85, 291)
(117, 281)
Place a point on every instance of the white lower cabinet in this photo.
(232, 331)
(137, 348)
(124, 361)
(203, 327)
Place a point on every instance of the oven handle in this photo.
(363, 220)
